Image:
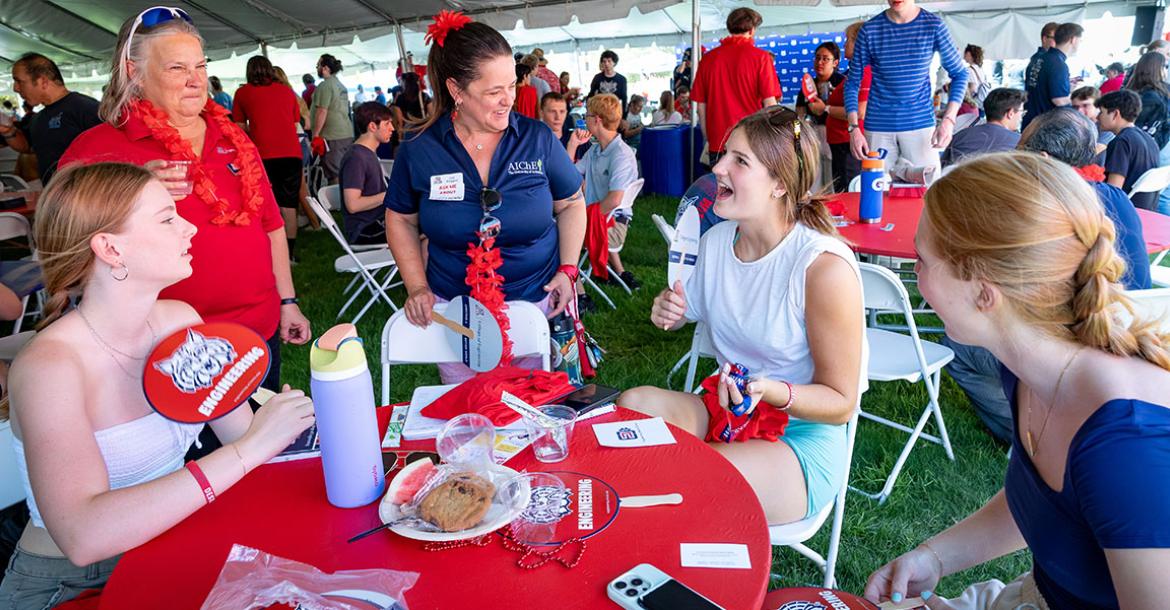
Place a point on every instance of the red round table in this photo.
(894, 235)
(281, 509)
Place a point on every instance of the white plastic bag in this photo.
(252, 578)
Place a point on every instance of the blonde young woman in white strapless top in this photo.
(103, 470)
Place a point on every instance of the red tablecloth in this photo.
(894, 235)
(281, 509)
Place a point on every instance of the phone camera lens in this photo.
(631, 593)
(637, 582)
(619, 585)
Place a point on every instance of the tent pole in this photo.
(696, 53)
(264, 48)
(408, 65)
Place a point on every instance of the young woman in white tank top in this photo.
(104, 472)
(780, 293)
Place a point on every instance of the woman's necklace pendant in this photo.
(479, 147)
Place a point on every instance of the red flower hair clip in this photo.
(445, 23)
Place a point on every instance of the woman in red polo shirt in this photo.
(156, 108)
(267, 109)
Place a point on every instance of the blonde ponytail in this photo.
(1034, 228)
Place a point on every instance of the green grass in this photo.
(932, 492)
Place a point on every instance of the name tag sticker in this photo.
(447, 187)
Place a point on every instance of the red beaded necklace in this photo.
(247, 159)
(530, 558)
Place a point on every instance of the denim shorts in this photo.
(820, 449)
(36, 582)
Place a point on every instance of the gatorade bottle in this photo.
(347, 425)
(873, 186)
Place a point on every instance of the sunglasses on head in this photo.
(150, 18)
(778, 117)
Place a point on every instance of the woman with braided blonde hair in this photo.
(1017, 255)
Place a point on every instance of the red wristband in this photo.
(201, 479)
(570, 271)
(791, 396)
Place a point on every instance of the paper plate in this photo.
(499, 515)
(204, 372)
(684, 248)
(482, 353)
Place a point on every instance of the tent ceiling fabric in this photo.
(80, 34)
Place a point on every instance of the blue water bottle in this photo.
(873, 186)
(347, 425)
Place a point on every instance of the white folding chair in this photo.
(12, 182)
(16, 226)
(405, 343)
(795, 534)
(362, 263)
(1153, 181)
(1159, 275)
(330, 196)
(586, 270)
(11, 489)
(664, 228)
(895, 356)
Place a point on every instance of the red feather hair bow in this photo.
(445, 23)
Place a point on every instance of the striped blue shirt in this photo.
(899, 56)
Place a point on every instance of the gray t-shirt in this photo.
(334, 98)
(360, 169)
(980, 140)
(612, 169)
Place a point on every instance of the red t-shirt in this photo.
(733, 81)
(273, 117)
(231, 279)
(1113, 84)
(526, 102)
(836, 130)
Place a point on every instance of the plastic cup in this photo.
(551, 443)
(178, 178)
(467, 440)
(545, 502)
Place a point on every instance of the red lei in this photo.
(247, 158)
(1091, 173)
(487, 287)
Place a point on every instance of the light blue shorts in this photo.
(820, 449)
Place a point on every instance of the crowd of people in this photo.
(1026, 245)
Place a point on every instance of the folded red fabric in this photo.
(481, 394)
(597, 239)
(765, 421)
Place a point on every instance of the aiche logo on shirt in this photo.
(526, 167)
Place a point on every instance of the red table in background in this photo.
(281, 509)
(894, 235)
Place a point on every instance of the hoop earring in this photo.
(125, 273)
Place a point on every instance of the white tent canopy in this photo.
(80, 34)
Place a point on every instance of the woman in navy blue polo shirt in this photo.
(494, 192)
